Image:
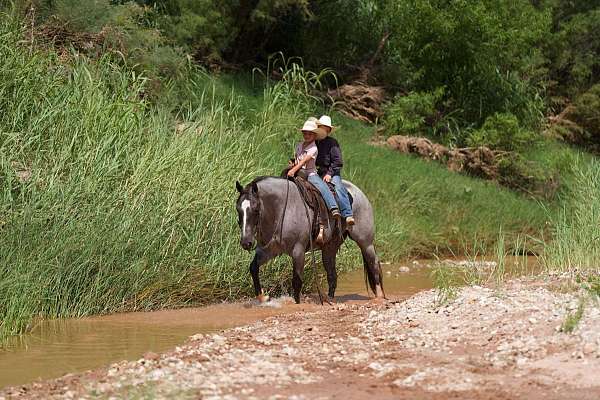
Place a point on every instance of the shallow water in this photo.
(57, 347)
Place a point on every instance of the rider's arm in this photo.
(301, 162)
(336, 163)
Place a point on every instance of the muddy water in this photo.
(55, 348)
(397, 285)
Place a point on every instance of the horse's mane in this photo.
(263, 177)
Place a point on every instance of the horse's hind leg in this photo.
(298, 261)
(328, 256)
(260, 257)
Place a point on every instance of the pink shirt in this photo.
(309, 151)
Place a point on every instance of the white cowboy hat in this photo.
(325, 120)
(310, 126)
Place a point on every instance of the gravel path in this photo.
(484, 344)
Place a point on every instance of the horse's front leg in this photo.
(261, 256)
(328, 256)
(298, 273)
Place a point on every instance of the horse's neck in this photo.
(278, 196)
(274, 194)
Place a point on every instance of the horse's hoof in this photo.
(378, 301)
(379, 292)
(262, 298)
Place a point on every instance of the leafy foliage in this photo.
(502, 131)
(587, 114)
(214, 30)
(479, 50)
(411, 114)
(574, 46)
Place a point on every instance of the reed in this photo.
(107, 202)
(575, 243)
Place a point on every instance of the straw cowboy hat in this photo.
(310, 126)
(325, 120)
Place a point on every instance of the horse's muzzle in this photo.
(246, 244)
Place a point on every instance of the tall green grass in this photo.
(105, 205)
(576, 238)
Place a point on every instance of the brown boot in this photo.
(350, 220)
(321, 236)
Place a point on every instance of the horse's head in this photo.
(248, 207)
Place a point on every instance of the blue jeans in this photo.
(342, 195)
(325, 192)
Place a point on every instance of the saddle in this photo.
(313, 199)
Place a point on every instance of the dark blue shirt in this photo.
(329, 159)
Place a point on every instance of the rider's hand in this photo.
(291, 173)
(327, 178)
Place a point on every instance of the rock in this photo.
(151, 356)
(404, 269)
(589, 348)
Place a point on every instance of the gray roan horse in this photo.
(272, 212)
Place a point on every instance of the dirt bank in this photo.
(486, 344)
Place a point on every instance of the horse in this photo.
(273, 215)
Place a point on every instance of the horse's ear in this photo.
(239, 187)
(254, 188)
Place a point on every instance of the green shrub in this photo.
(473, 48)
(574, 48)
(587, 114)
(502, 131)
(412, 114)
(101, 27)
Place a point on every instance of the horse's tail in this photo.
(369, 280)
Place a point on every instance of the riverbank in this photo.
(486, 343)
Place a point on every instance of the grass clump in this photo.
(446, 281)
(572, 318)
